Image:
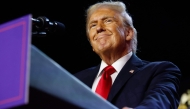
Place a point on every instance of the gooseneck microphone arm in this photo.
(42, 25)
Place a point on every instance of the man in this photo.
(135, 83)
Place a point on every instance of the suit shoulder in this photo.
(160, 64)
(85, 70)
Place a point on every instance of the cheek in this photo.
(121, 31)
(91, 41)
(120, 34)
(91, 34)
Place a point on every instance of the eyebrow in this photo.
(103, 18)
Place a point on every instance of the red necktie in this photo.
(105, 82)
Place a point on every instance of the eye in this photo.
(109, 20)
(92, 25)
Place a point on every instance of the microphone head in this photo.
(57, 27)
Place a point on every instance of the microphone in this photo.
(43, 24)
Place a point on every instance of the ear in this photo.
(129, 34)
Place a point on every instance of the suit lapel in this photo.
(91, 76)
(129, 69)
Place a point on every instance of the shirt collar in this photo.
(118, 65)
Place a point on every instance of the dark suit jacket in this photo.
(152, 85)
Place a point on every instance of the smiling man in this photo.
(121, 77)
(104, 27)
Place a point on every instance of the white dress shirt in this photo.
(118, 65)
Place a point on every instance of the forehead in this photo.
(102, 13)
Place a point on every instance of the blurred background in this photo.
(163, 35)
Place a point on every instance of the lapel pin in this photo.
(131, 71)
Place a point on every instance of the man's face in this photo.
(106, 31)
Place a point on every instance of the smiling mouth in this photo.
(101, 36)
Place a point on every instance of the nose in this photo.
(100, 27)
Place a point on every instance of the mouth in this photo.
(101, 36)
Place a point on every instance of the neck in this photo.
(110, 58)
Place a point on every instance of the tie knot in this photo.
(109, 70)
